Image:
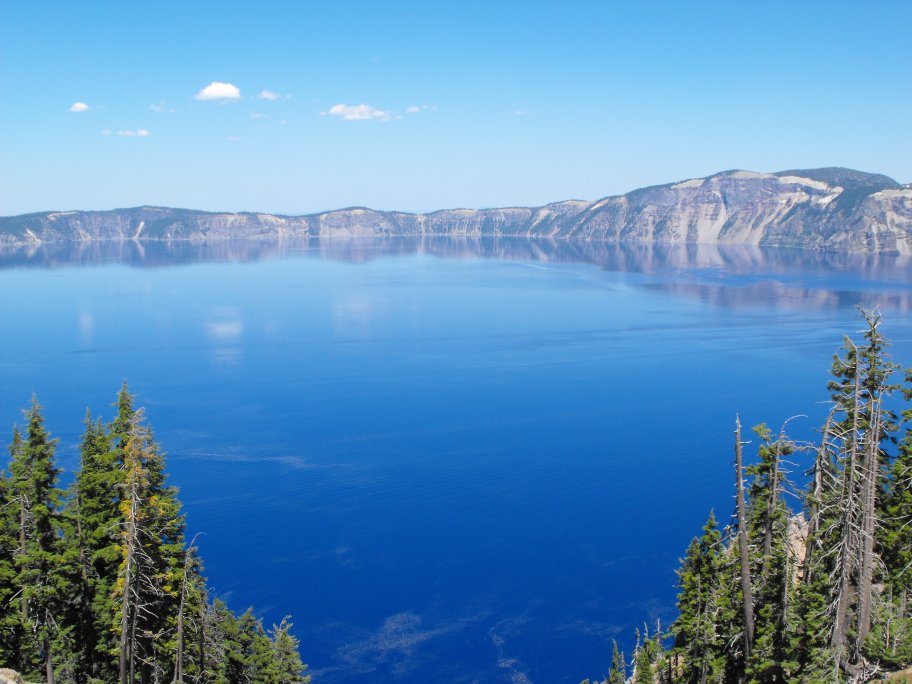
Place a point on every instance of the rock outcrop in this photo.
(833, 209)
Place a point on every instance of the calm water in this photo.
(451, 460)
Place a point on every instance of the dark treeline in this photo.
(99, 584)
(818, 595)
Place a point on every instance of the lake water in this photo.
(448, 460)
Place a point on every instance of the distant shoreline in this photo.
(820, 209)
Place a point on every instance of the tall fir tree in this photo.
(93, 511)
(42, 586)
(105, 575)
(700, 580)
(9, 544)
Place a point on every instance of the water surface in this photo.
(448, 460)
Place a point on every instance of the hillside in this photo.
(833, 208)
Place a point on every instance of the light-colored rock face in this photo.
(835, 209)
(8, 676)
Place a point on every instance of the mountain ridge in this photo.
(829, 208)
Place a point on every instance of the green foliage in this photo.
(701, 582)
(896, 533)
(63, 570)
(618, 673)
(832, 583)
(10, 626)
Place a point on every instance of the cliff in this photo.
(833, 209)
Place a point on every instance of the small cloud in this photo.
(106, 131)
(219, 91)
(79, 107)
(414, 109)
(519, 112)
(283, 122)
(259, 115)
(137, 133)
(160, 107)
(232, 138)
(361, 112)
(271, 96)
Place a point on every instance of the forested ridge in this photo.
(98, 582)
(809, 583)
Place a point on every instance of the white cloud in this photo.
(138, 133)
(361, 112)
(414, 109)
(519, 112)
(269, 95)
(160, 107)
(283, 122)
(219, 91)
(106, 131)
(79, 107)
(232, 138)
(259, 115)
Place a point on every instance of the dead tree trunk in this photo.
(772, 500)
(179, 660)
(816, 499)
(848, 553)
(23, 517)
(747, 598)
(129, 595)
(48, 658)
(865, 584)
(125, 654)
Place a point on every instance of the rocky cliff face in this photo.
(834, 209)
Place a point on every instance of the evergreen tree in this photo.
(41, 584)
(618, 673)
(104, 587)
(9, 544)
(697, 639)
(92, 509)
(896, 511)
(775, 562)
(151, 559)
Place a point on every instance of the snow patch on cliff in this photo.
(692, 183)
(798, 180)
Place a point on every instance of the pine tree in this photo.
(618, 673)
(890, 641)
(697, 641)
(41, 584)
(151, 559)
(287, 667)
(104, 587)
(860, 386)
(9, 543)
(94, 526)
(896, 511)
(775, 563)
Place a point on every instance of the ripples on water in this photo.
(455, 460)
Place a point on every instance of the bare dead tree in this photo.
(821, 462)
(747, 598)
(848, 545)
(179, 656)
(871, 482)
(131, 544)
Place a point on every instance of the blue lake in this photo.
(448, 460)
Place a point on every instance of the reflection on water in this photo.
(478, 468)
(725, 275)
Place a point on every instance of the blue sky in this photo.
(517, 103)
